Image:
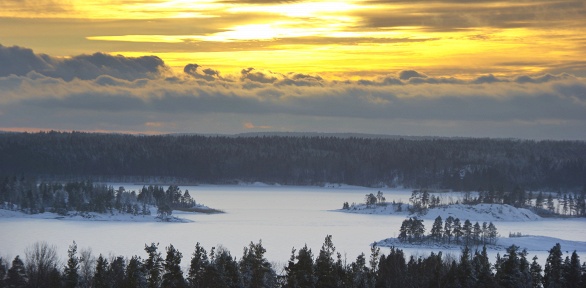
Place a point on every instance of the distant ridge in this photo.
(326, 135)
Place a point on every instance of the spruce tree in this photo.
(572, 272)
(255, 269)
(173, 276)
(437, 229)
(300, 270)
(199, 263)
(553, 272)
(16, 275)
(3, 271)
(71, 271)
(136, 274)
(117, 270)
(102, 276)
(536, 277)
(153, 265)
(324, 265)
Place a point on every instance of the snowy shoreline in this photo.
(478, 212)
(529, 242)
(93, 216)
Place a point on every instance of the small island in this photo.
(87, 201)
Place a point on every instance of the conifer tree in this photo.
(553, 272)
(136, 274)
(572, 271)
(448, 228)
(117, 270)
(324, 265)
(482, 266)
(102, 276)
(199, 263)
(300, 269)
(16, 275)
(3, 271)
(153, 265)
(173, 276)
(437, 229)
(536, 277)
(71, 272)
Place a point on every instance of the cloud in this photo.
(20, 61)
(407, 74)
(118, 96)
(454, 15)
(249, 126)
(198, 72)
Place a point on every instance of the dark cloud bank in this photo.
(105, 92)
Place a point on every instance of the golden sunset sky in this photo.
(445, 68)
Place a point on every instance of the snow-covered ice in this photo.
(282, 216)
(478, 212)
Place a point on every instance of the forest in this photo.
(84, 196)
(41, 267)
(462, 164)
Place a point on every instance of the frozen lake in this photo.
(283, 217)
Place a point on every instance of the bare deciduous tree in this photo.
(41, 260)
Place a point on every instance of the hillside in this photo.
(446, 163)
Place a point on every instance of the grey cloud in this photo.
(113, 97)
(258, 76)
(198, 72)
(487, 79)
(407, 74)
(20, 61)
(451, 15)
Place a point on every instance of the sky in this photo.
(500, 69)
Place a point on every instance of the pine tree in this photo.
(437, 229)
(457, 230)
(324, 265)
(117, 270)
(300, 269)
(466, 273)
(256, 270)
(492, 233)
(536, 277)
(153, 265)
(572, 271)
(173, 276)
(392, 271)
(16, 275)
(199, 263)
(102, 276)
(552, 276)
(448, 228)
(509, 273)
(482, 266)
(3, 271)
(71, 271)
(136, 274)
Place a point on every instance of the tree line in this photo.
(84, 196)
(413, 231)
(218, 268)
(462, 164)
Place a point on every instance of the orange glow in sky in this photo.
(344, 37)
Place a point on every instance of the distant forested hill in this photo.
(460, 164)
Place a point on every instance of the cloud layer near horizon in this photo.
(101, 92)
